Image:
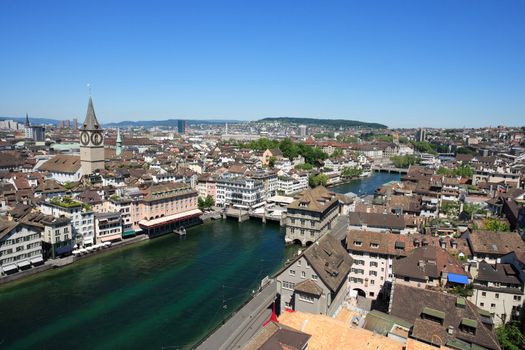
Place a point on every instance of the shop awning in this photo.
(128, 233)
(455, 278)
(24, 263)
(36, 261)
(64, 249)
(9, 268)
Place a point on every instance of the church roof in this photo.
(91, 122)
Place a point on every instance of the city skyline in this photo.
(406, 64)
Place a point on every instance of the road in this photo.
(244, 324)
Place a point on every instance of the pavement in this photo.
(244, 324)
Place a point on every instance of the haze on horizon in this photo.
(404, 64)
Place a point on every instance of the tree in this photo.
(209, 201)
(69, 185)
(271, 162)
(349, 172)
(510, 337)
(424, 146)
(305, 166)
(405, 161)
(337, 153)
(496, 225)
(450, 209)
(316, 180)
(201, 203)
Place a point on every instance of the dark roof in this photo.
(316, 200)
(91, 122)
(275, 336)
(310, 287)
(387, 221)
(408, 303)
(330, 261)
(495, 243)
(427, 261)
(6, 227)
(501, 273)
(62, 163)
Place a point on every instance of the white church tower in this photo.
(91, 143)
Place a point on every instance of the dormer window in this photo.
(468, 325)
(374, 245)
(358, 243)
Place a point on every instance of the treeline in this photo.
(334, 123)
(405, 161)
(290, 149)
(463, 171)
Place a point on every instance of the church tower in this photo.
(119, 143)
(91, 143)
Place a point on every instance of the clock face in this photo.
(96, 138)
(84, 138)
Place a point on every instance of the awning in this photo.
(455, 278)
(64, 249)
(111, 238)
(9, 268)
(38, 260)
(148, 224)
(128, 233)
(24, 263)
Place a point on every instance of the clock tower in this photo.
(91, 143)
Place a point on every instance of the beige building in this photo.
(20, 246)
(311, 215)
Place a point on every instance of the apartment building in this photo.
(20, 246)
(315, 281)
(374, 253)
(499, 289)
(240, 192)
(108, 227)
(57, 233)
(311, 215)
(288, 185)
(82, 220)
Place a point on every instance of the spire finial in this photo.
(89, 89)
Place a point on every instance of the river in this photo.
(166, 292)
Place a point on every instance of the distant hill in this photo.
(335, 123)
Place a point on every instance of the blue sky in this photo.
(441, 63)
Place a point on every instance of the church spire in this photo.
(27, 121)
(119, 139)
(118, 150)
(91, 122)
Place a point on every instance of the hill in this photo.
(334, 123)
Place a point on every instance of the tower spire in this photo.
(27, 121)
(91, 122)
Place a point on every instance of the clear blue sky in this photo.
(449, 63)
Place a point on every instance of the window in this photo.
(307, 298)
(374, 245)
(497, 295)
(358, 244)
(372, 273)
(481, 304)
(292, 272)
(373, 264)
(483, 294)
(517, 297)
(299, 263)
(372, 282)
(303, 274)
(492, 306)
(372, 294)
(314, 277)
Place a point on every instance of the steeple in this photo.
(118, 150)
(91, 122)
(27, 125)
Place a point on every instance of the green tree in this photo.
(337, 153)
(319, 179)
(271, 162)
(201, 203)
(209, 201)
(305, 166)
(424, 146)
(405, 161)
(496, 225)
(510, 336)
(350, 172)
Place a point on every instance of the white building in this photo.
(82, 220)
(240, 193)
(20, 246)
